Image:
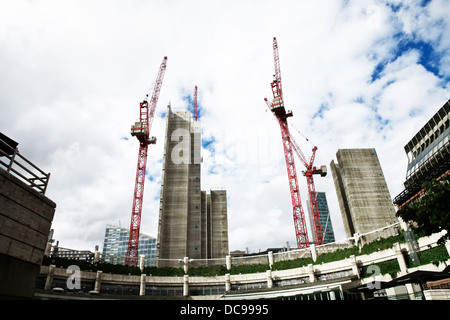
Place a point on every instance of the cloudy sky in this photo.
(356, 74)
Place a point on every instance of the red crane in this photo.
(141, 130)
(195, 103)
(277, 107)
(310, 171)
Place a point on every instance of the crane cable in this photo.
(291, 125)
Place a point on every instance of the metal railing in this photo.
(23, 168)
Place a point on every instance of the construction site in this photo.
(193, 224)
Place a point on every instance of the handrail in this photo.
(27, 171)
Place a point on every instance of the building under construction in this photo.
(192, 222)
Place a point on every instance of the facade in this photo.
(428, 154)
(362, 191)
(217, 224)
(324, 215)
(116, 244)
(189, 218)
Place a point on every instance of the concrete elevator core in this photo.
(192, 223)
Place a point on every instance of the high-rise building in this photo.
(362, 191)
(428, 155)
(217, 224)
(115, 246)
(187, 216)
(324, 215)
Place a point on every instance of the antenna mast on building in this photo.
(141, 130)
(195, 103)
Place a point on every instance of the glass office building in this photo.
(324, 215)
(115, 246)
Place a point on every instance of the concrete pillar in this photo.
(186, 264)
(186, 285)
(141, 262)
(270, 255)
(356, 237)
(227, 282)
(447, 245)
(98, 281)
(403, 225)
(400, 258)
(96, 256)
(142, 286)
(269, 279)
(48, 249)
(49, 280)
(354, 265)
(228, 261)
(312, 277)
(313, 252)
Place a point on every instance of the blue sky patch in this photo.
(207, 143)
(429, 58)
(323, 107)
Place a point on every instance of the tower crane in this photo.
(308, 173)
(279, 111)
(141, 130)
(289, 144)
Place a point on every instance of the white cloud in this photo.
(74, 72)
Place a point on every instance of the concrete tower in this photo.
(362, 191)
(184, 215)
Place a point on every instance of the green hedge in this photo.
(249, 268)
(291, 264)
(386, 267)
(381, 244)
(208, 271)
(434, 255)
(337, 255)
(163, 271)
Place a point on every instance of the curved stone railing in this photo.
(218, 285)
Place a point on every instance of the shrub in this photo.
(339, 254)
(163, 271)
(291, 264)
(208, 271)
(386, 267)
(249, 268)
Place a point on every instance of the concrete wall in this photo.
(25, 221)
(437, 294)
(219, 224)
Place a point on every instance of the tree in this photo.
(432, 211)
